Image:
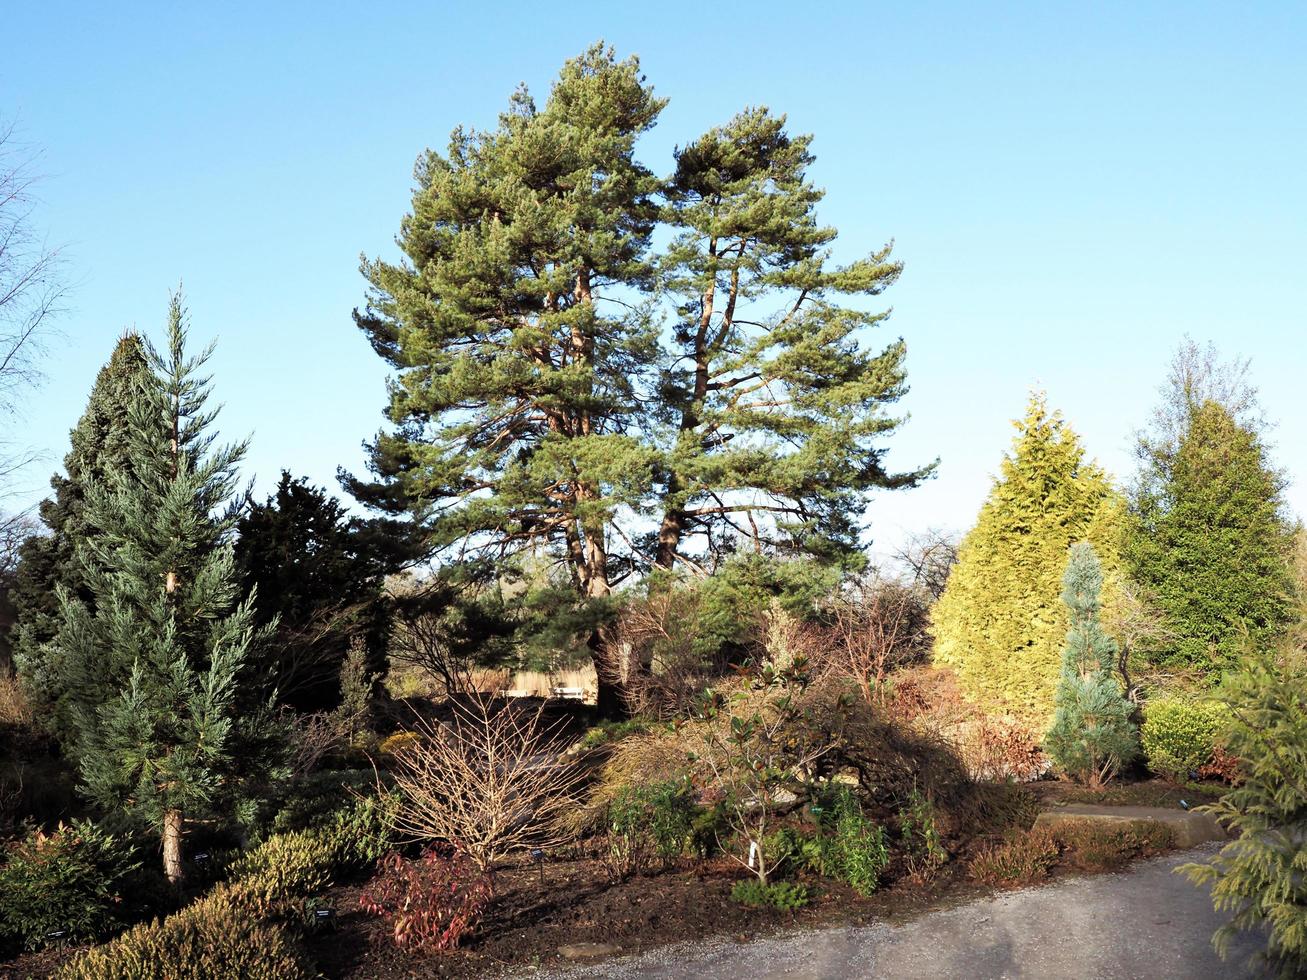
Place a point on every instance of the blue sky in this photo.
(1072, 187)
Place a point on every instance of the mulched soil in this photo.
(537, 910)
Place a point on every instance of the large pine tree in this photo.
(153, 662)
(49, 562)
(1001, 621)
(779, 408)
(1210, 538)
(540, 409)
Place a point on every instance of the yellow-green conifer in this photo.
(1000, 622)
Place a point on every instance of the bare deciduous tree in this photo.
(929, 557)
(489, 781)
(30, 289)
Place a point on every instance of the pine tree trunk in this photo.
(172, 847)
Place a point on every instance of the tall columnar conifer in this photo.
(49, 562)
(153, 662)
(1001, 621)
(1211, 540)
(1092, 736)
(539, 408)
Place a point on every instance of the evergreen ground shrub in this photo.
(64, 886)
(1181, 735)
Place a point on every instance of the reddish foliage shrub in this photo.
(1223, 766)
(1023, 859)
(999, 749)
(1092, 846)
(432, 902)
(1085, 845)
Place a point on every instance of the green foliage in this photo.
(318, 574)
(1210, 534)
(786, 896)
(848, 845)
(923, 844)
(236, 930)
(650, 823)
(353, 715)
(1259, 876)
(607, 732)
(65, 886)
(166, 718)
(530, 417)
(210, 938)
(51, 562)
(1180, 735)
(999, 622)
(1092, 736)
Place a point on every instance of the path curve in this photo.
(1145, 922)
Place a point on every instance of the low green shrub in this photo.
(923, 845)
(783, 895)
(238, 929)
(66, 885)
(607, 732)
(1180, 735)
(649, 824)
(858, 850)
(212, 938)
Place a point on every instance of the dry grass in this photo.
(14, 708)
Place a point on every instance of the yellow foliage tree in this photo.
(1001, 621)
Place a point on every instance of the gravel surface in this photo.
(1145, 922)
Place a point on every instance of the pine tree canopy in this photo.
(153, 662)
(49, 562)
(1210, 538)
(548, 396)
(1001, 620)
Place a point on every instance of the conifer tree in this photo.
(539, 410)
(153, 662)
(1258, 877)
(1092, 735)
(1209, 536)
(1000, 621)
(779, 407)
(48, 562)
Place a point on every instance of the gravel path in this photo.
(1145, 922)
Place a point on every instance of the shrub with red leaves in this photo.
(432, 902)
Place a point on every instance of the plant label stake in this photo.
(538, 856)
(753, 852)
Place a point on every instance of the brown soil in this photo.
(574, 902)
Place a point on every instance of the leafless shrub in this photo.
(875, 626)
(1132, 617)
(312, 738)
(658, 634)
(489, 781)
